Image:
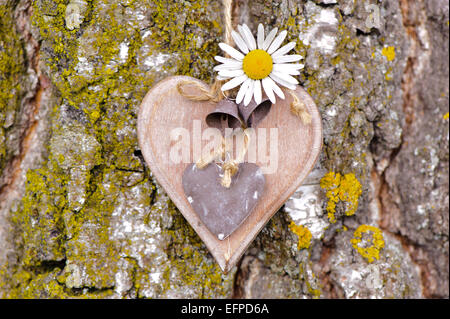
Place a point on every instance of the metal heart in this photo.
(254, 113)
(222, 209)
(225, 115)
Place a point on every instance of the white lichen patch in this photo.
(123, 52)
(156, 61)
(74, 14)
(156, 277)
(326, 43)
(128, 225)
(123, 279)
(84, 67)
(73, 280)
(305, 205)
(322, 34)
(327, 16)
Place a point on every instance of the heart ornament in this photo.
(175, 131)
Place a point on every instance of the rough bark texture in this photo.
(82, 216)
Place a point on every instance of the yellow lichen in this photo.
(303, 233)
(446, 116)
(387, 75)
(372, 251)
(389, 53)
(340, 188)
(108, 97)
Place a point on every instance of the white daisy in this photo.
(258, 64)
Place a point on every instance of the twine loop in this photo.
(214, 93)
(299, 108)
(230, 166)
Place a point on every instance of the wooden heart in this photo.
(164, 110)
(222, 209)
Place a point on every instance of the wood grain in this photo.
(299, 145)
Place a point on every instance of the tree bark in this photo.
(82, 215)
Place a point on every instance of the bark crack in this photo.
(413, 16)
(13, 169)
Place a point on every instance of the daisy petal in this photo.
(242, 33)
(275, 87)
(249, 36)
(257, 92)
(249, 93)
(277, 90)
(287, 58)
(260, 36)
(267, 85)
(239, 41)
(234, 82)
(282, 81)
(242, 91)
(269, 38)
(295, 66)
(231, 51)
(284, 76)
(284, 68)
(227, 66)
(284, 49)
(277, 42)
(221, 59)
(221, 78)
(231, 73)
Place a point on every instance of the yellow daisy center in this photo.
(257, 64)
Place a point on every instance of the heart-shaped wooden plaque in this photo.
(164, 110)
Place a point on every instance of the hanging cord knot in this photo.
(299, 108)
(230, 168)
(213, 94)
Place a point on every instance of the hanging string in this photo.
(231, 167)
(228, 5)
(214, 94)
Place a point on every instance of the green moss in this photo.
(196, 52)
(313, 286)
(187, 260)
(47, 229)
(31, 286)
(12, 71)
(39, 222)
